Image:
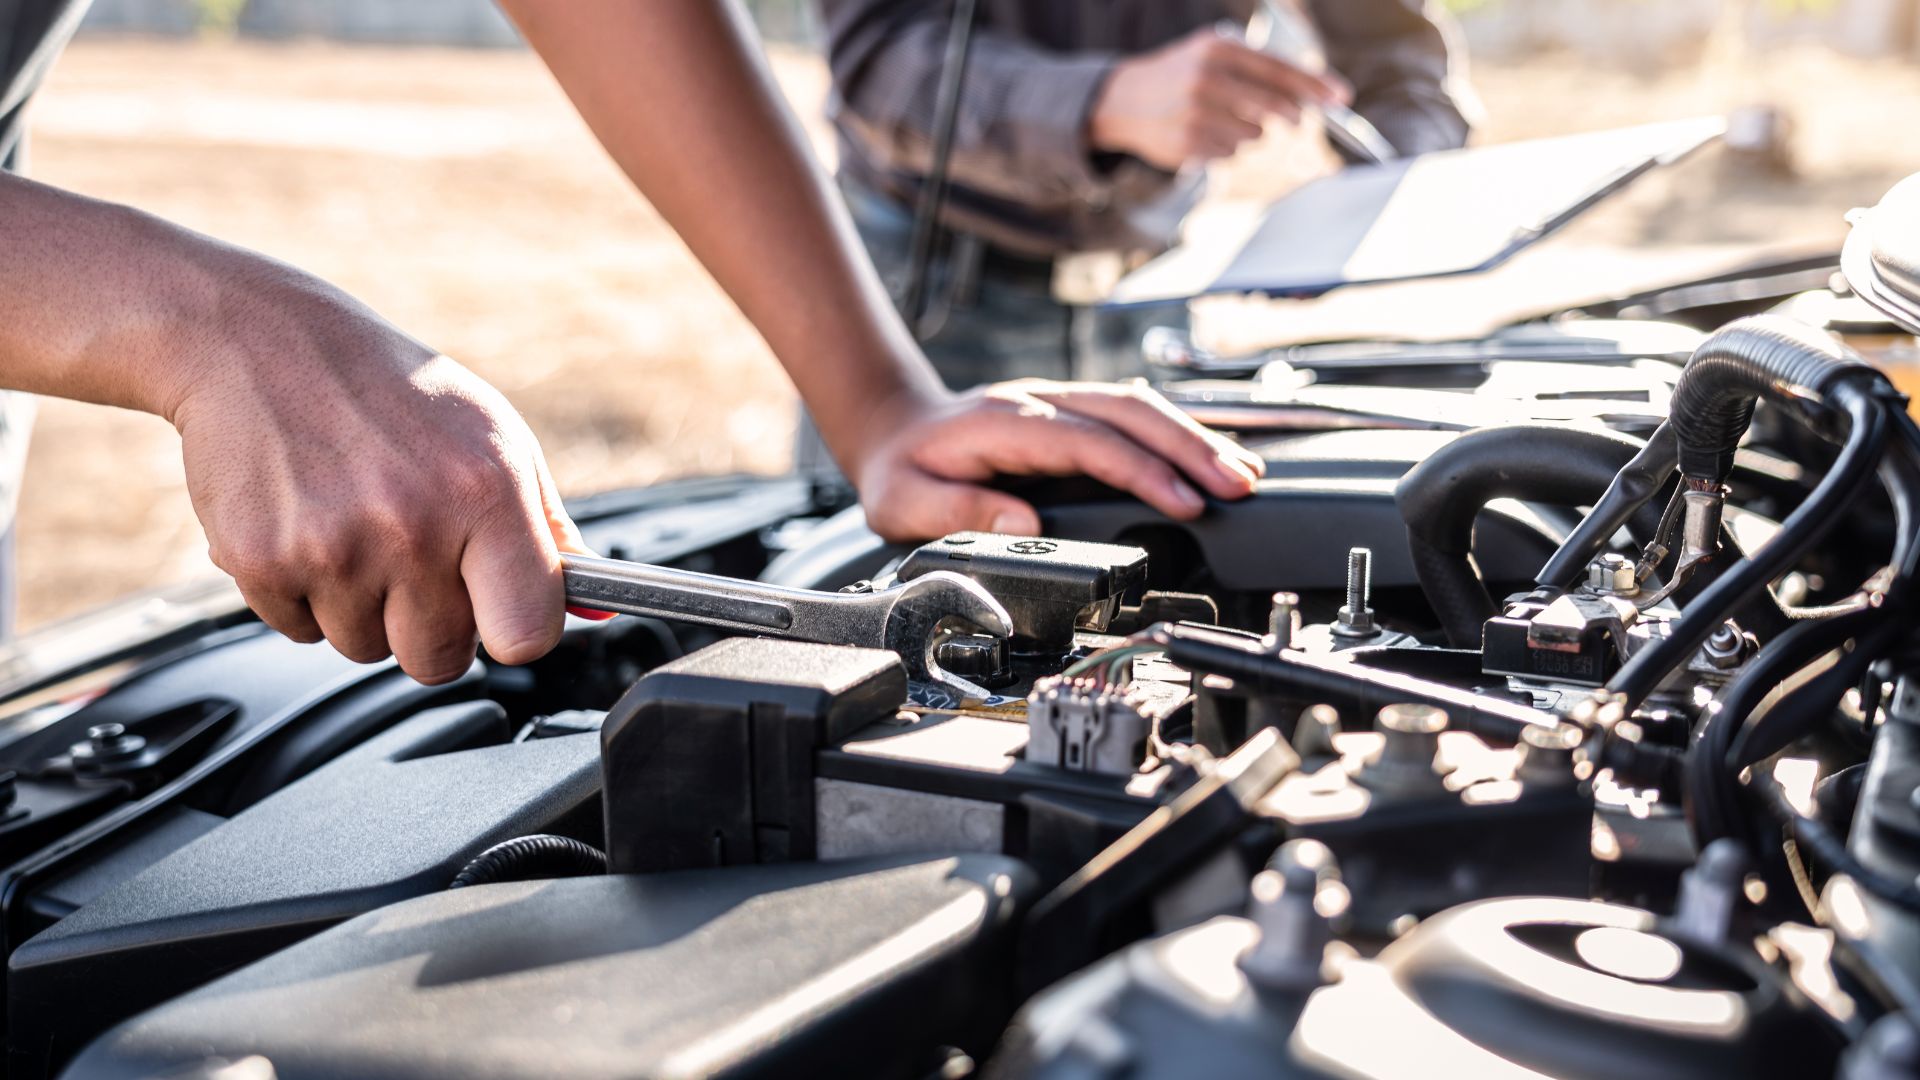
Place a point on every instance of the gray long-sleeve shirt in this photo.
(32, 33)
(1023, 175)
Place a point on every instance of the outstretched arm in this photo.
(356, 484)
(678, 93)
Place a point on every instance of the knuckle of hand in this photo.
(479, 480)
(332, 557)
(246, 560)
(404, 528)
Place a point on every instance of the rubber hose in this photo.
(1852, 471)
(1783, 360)
(526, 858)
(1811, 703)
(1441, 496)
(1711, 806)
(1827, 846)
(1454, 590)
(1637, 481)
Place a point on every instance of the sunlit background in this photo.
(416, 155)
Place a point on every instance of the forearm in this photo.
(89, 294)
(102, 303)
(680, 97)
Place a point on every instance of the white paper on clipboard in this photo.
(1451, 212)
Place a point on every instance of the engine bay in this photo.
(1548, 711)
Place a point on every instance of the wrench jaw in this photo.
(927, 604)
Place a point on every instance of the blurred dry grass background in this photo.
(456, 192)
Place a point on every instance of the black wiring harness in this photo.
(1797, 682)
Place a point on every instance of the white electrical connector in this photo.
(1078, 725)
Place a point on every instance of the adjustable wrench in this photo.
(905, 619)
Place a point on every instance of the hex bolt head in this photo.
(107, 746)
(980, 657)
(1356, 618)
(111, 742)
(1726, 648)
(1612, 574)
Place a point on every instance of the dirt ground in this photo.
(458, 194)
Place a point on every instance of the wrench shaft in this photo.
(711, 600)
(674, 602)
(905, 619)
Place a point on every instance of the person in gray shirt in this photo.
(1080, 129)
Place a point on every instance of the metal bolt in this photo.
(1282, 621)
(1413, 719)
(1313, 732)
(111, 741)
(1409, 753)
(1293, 903)
(1546, 754)
(980, 657)
(1356, 618)
(108, 747)
(1726, 648)
(1612, 574)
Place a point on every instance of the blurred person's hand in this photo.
(924, 472)
(1200, 98)
(362, 488)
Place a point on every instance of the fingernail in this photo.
(1236, 471)
(589, 614)
(1011, 524)
(1188, 498)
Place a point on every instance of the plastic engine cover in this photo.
(860, 968)
(394, 818)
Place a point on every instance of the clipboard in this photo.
(1440, 214)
